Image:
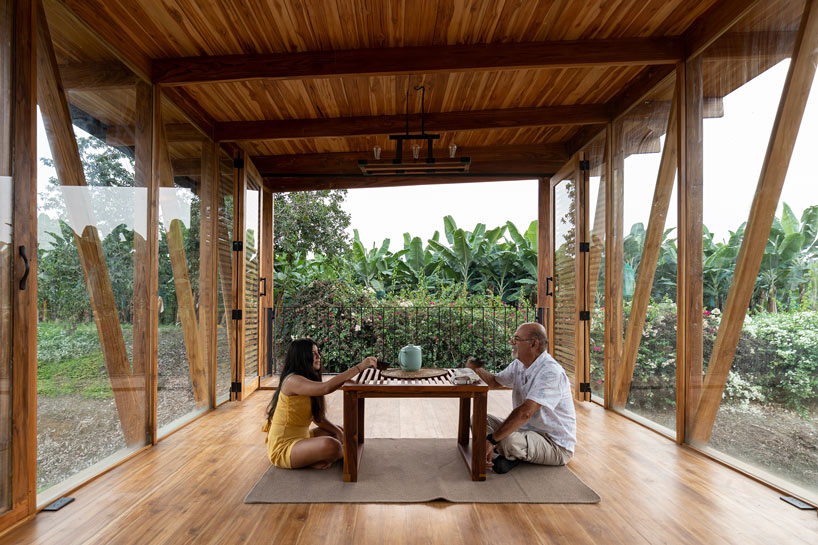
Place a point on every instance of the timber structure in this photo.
(227, 103)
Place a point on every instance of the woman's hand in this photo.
(369, 361)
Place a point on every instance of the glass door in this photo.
(569, 320)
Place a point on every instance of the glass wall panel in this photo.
(6, 253)
(92, 222)
(649, 255)
(597, 184)
(766, 420)
(225, 332)
(252, 240)
(183, 385)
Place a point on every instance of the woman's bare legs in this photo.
(318, 452)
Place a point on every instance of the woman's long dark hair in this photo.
(299, 361)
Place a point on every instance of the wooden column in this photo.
(145, 282)
(57, 121)
(266, 301)
(614, 265)
(762, 213)
(682, 370)
(181, 277)
(690, 264)
(610, 324)
(239, 266)
(545, 258)
(582, 332)
(647, 265)
(208, 260)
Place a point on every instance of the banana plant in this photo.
(467, 247)
(370, 265)
(418, 264)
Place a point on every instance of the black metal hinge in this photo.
(238, 162)
(584, 315)
(235, 387)
(236, 314)
(584, 246)
(585, 387)
(238, 246)
(585, 165)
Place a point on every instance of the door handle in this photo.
(262, 294)
(28, 268)
(547, 280)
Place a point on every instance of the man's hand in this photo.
(475, 363)
(489, 454)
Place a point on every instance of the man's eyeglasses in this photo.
(515, 339)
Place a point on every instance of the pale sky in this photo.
(734, 151)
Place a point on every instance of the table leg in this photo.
(350, 437)
(361, 420)
(463, 422)
(478, 447)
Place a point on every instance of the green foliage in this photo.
(70, 361)
(350, 324)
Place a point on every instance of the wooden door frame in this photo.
(23, 138)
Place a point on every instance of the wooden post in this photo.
(545, 258)
(266, 301)
(609, 251)
(614, 265)
(57, 121)
(145, 282)
(181, 277)
(690, 235)
(239, 188)
(682, 370)
(647, 265)
(762, 213)
(583, 330)
(208, 248)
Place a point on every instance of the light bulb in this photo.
(452, 151)
(377, 151)
(415, 151)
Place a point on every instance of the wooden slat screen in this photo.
(565, 311)
(252, 238)
(225, 272)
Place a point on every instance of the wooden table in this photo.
(371, 383)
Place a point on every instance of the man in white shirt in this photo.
(542, 427)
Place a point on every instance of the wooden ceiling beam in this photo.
(123, 135)
(712, 25)
(282, 185)
(580, 114)
(97, 76)
(525, 160)
(192, 110)
(413, 60)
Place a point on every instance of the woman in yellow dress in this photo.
(298, 402)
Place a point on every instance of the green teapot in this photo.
(410, 358)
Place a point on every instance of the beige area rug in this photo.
(419, 470)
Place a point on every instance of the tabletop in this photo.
(372, 380)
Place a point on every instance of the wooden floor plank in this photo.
(190, 487)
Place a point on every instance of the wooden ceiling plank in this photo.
(412, 60)
(237, 131)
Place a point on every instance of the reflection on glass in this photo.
(225, 332)
(565, 276)
(90, 390)
(251, 283)
(180, 355)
